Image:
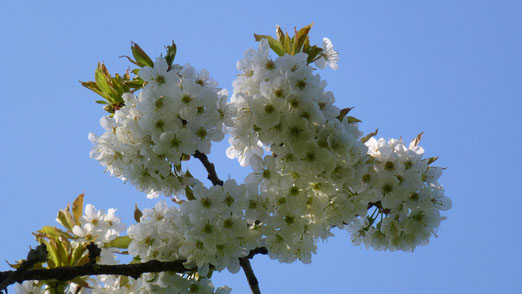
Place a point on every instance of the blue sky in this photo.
(452, 69)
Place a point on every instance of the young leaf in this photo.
(141, 57)
(367, 137)
(52, 258)
(352, 119)
(344, 112)
(189, 193)
(120, 242)
(53, 232)
(77, 208)
(62, 219)
(300, 38)
(61, 251)
(171, 54)
(68, 214)
(102, 80)
(416, 141)
(77, 253)
(274, 44)
(93, 87)
(288, 44)
(314, 53)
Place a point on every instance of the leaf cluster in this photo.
(300, 42)
(112, 87)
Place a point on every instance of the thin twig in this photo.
(249, 273)
(212, 175)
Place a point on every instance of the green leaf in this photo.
(137, 214)
(52, 258)
(62, 219)
(274, 44)
(416, 141)
(314, 53)
(116, 85)
(53, 232)
(93, 87)
(141, 57)
(77, 208)
(102, 78)
(367, 137)
(83, 260)
(432, 159)
(288, 44)
(68, 215)
(77, 253)
(171, 54)
(61, 251)
(121, 242)
(136, 84)
(352, 119)
(136, 259)
(17, 264)
(300, 38)
(189, 193)
(344, 112)
(101, 102)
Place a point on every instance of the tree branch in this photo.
(134, 270)
(249, 273)
(212, 175)
(244, 261)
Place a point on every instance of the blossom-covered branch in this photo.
(313, 171)
(134, 270)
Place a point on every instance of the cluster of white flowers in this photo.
(407, 199)
(312, 172)
(98, 227)
(177, 113)
(314, 153)
(213, 229)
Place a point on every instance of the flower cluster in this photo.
(280, 107)
(406, 197)
(312, 170)
(213, 229)
(177, 113)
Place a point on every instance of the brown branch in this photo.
(33, 257)
(249, 273)
(134, 270)
(212, 175)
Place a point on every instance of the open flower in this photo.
(329, 56)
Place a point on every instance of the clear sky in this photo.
(452, 69)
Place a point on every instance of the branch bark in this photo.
(66, 273)
(212, 175)
(249, 273)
